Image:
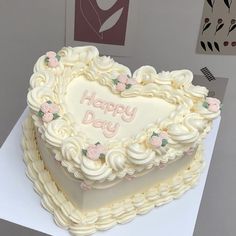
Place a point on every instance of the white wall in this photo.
(167, 35)
(27, 29)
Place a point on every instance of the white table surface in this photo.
(21, 205)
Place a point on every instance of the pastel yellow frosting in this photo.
(164, 101)
(91, 109)
(67, 216)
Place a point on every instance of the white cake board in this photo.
(21, 205)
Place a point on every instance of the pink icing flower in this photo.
(129, 177)
(84, 186)
(53, 62)
(162, 165)
(47, 117)
(214, 107)
(92, 152)
(164, 135)
(131, 81)
(190, 151)
(120, 87)
(123, 79)
(53, 108)
(51, 54)
(45, 107)
(156, 141)
(212, 101)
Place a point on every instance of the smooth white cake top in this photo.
(104, 116)
(104, 123)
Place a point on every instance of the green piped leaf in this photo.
(164, 142)
(55, 116)
(155, 134)
(97, 143)
(128, 86)
(102, 155)
(49, 102)
(115, 81)
(84, 152)
(40, 114)
(58, 57)
(205, 104)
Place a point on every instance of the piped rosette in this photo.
(210, 108)
(158, 142)
(51, 62)
(140, 156)
(123, 82)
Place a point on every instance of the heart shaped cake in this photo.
(103, 145)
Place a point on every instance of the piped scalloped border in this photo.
(77, 223)
(186, 126)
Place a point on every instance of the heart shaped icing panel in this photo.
(83, 100)
(102, 115)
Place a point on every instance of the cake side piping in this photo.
(67, 216)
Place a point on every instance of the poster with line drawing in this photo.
(101, 21)
(110, 25)
(217, 34)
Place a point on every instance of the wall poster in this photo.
(217, 33)
(108, 25)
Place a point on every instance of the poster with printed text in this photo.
(217, 33)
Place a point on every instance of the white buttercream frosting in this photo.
(103, 63)
(181, 78)
(116, 159)
(41, 66)
(187, 123)
(57, 131)
(39, 79)
(204, 112)
(139, 155)
(95, 170)
(145, 74)
(38, 96)
(72, 56)
(66, 215)
(72, 149)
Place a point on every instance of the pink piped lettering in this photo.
(98, 103)
(88, 98)
(129, 114)
(88, 117)
(98, 123)
(109, 107)
(119, 110)
(111, 130)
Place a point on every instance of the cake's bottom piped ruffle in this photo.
(70, 218)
